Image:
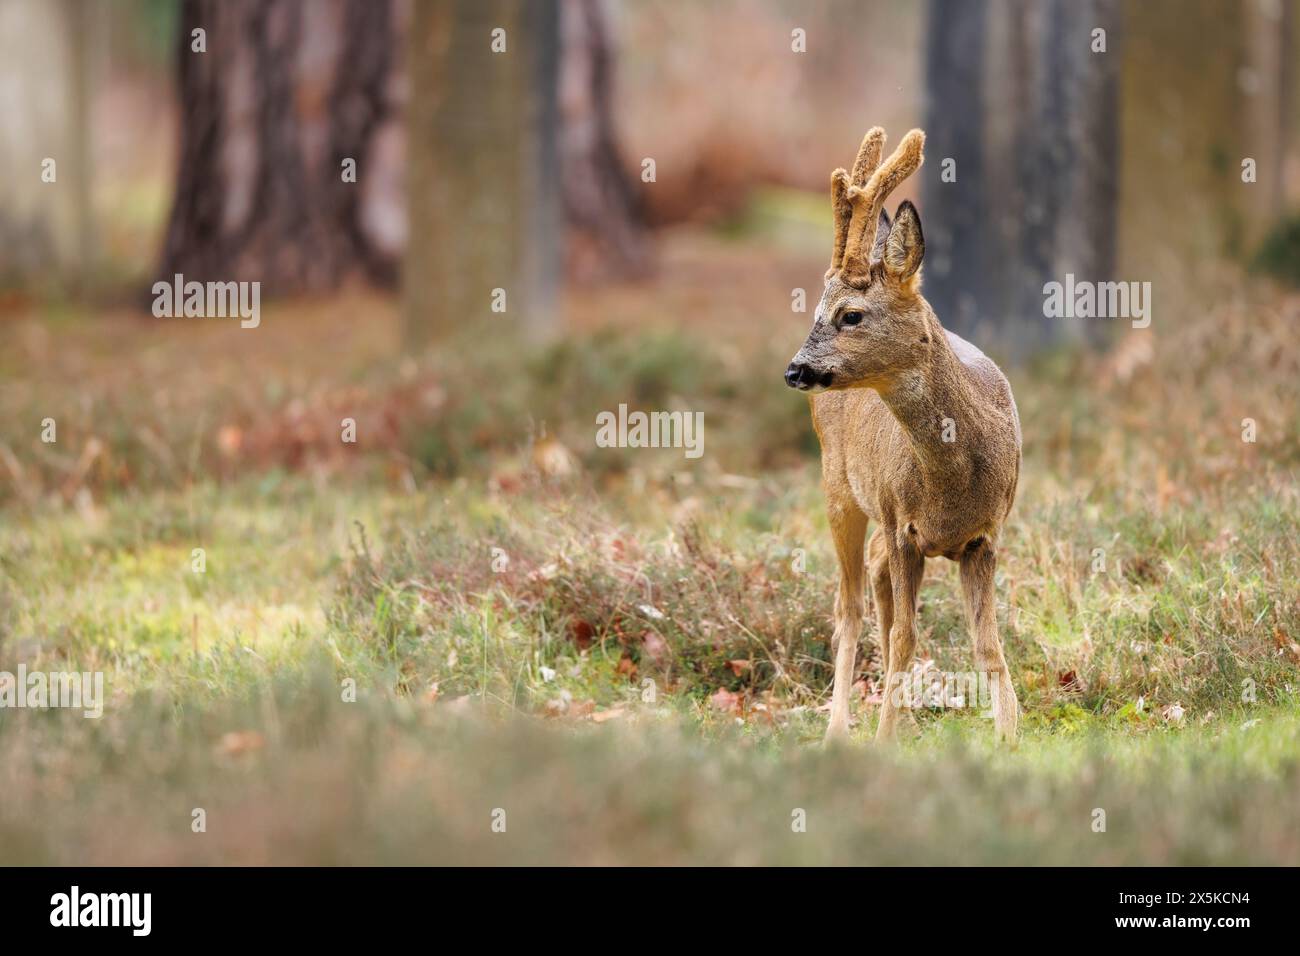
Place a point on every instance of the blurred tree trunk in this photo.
(1264, 81)
(957, 224)
(46, 215)
(1087, 115)
(1063, 147)
(1036, 120)
(607, 232)
(359, 109)
(283, 94)
(483, 168)
(287, 91)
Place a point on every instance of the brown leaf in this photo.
(626, 667)
(868, 691)
(582, 633)
(739, 668)
(506, 481)
(1283, 640)
(725, 701)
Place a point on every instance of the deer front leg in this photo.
(849, 528)
(906, 567)
(883, 590)
(978, 564)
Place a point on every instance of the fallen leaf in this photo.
(725, 701)
(1289, 647)
(506, 481)
(738, 668)
(869, 691)
(583, 633)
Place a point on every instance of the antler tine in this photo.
(873, 144)
(842, 212)
(866, 202)
(869, 153)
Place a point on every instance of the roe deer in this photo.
(919, 433)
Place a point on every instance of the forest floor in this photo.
(474, 617)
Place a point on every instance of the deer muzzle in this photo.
(804, 377)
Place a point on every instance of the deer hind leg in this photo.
(849, 528)
(883, 590)
(978, 564)
(906, 566)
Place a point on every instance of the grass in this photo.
(291, 774)
(624, 649)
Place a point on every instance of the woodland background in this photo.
(1159, 684)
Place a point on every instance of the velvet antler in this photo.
(865, 201)
(873, 144)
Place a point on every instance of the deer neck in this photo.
(936, 407)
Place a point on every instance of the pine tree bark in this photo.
(606, 227)
(956, 217)
(259, 193)
(256, 197)
(1032, 111)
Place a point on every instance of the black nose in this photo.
(800, 375)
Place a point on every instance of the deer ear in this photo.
(905, 246)
(882, 233)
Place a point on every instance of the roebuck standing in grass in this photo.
(918, 431)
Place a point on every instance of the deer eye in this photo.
(852, 317)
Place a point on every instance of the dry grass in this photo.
(624, 566)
